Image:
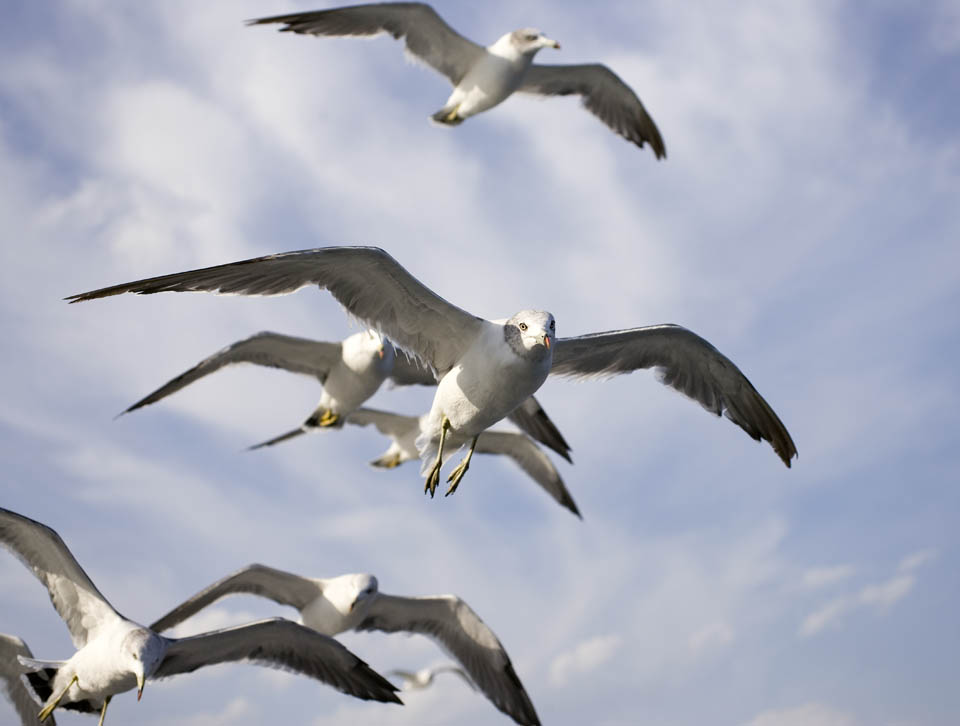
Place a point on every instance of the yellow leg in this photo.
(47, 710)
(433, 478)
(103, 711)
(329, 418)
(457, 474)
(387, 462)
(451, 118)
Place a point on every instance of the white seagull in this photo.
(486, 367)
(350, 372)
(354, 602)
(483, 77)
(10, 676)
(404, 430)
(115, 654)
(423, 678)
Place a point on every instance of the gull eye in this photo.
(553, 325)
(522, 326)
(531, 37)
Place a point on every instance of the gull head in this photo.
(141, 652)
(351, 594)
(368, 350)
(530, 333)
(528, 41)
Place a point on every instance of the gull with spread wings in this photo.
(354, 602)
(484, 77)
(486, 368)
(115, 654)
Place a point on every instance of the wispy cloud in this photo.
(817, 577)
(584, 658)
(809, 714)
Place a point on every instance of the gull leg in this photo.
(433, 477)
(103, 711)
(457, 474)
(47, 710)
(391, 461)
(323, 419)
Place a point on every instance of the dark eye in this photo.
(531, 37)
(522, 326)
(553, 324)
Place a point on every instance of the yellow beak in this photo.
(139, 686)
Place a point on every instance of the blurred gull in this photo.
(483, 77)
(423, 678)
(115, 655)
(353, 602)
(10, 675)
(486, 368)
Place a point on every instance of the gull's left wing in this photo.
(10, 672)
(685, 362)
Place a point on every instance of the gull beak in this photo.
(550, 43)
(139, 686)
(380, 352)
(546, 340)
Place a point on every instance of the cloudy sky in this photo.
(806, 223)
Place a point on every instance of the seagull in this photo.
(486, 368)
(484, 77)
(350, 372)
(423, 678)
(10, 672)
(115, 654)
(354, 602)
(403, 431)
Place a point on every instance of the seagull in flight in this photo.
(404, 430)
(115, 654)
(10, 678)
(486, 368)
(354, 602)
(423, 678)
(350, 372)
(483, 77)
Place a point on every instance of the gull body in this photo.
(423, 678)
(353, 602)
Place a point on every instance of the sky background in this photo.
(806, 223)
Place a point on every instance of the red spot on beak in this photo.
(546, 341)
(380, 352)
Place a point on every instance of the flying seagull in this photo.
(483, 77)
(423, 678)
(115, 655)
(486, 367)
(10, 671)
(403, 431)
(354, 602)
(350, 372)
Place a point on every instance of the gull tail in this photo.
(39, 684)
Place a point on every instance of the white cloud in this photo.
(809, 714)
(829, 613)
(917, 559)
(584, 658)
(714, 635)
(888, 592)
(817, 577)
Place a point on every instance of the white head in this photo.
(367, 349)
(530, 333)
(141, 652)
(350, 594)
(528, 41)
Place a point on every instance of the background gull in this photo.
(10, 671)
(483, 77)
(486, 368)
(423, 678)
(404, 430)
(354, 602)
(115, 654)
(350, 372)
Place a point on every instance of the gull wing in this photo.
(10, 671)
(389, 424)
(292, 434)
(279, 643)
(530, 418)
(72, 592)
(531, 459)
(368, 282)
(427, 36)
(685, 362)
(281, 587)
(462, 633)
(298, 355)
(604, 95)
(410, 372)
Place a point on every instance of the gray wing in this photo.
(531, 459)
(604, 94)
(458, 671)
(72, 593)
(367, 281)
(10, 671)
(279, 643)
(299, 355)
(388, 424)
(461, 632)
(686, 363)
(427, 36)
(281, 587)
(410, 372)
(281, 438)
(530, 418)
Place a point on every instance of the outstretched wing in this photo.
(452, 622)
(298, 355)
(531, 459)
(410, 372)
(388, 424)
(685, 362)
(281, 587)
(604, 94)
(72, 592)
(10, 672)
(279, 643)
(427, 36)
(530, 418)
(367, 281)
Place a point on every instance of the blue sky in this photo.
(805, 222)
